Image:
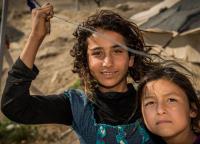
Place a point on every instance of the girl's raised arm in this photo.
(40, 25)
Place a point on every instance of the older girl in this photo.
(105, 110)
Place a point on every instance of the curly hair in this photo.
(180, 80)
(108, 20)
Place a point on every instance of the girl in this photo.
(106, 111)
(170, 106)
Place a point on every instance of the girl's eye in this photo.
(119, 50)
(149, 103)
(172, 100)
(97, 53)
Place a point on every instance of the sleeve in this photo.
(18, 105)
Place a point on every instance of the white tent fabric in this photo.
(144, 16)
(184, 45)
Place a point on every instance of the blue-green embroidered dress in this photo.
(89, 132)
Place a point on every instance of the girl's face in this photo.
(166, 110)
(108, 62)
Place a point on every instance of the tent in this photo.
(174, 27)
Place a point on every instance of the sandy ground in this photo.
(53, 58)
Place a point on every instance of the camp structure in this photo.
(173, 26)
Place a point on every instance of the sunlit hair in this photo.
(181, 81)
(108, 20)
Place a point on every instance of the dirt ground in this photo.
(53, 58)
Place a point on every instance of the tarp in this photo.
(174, 30)
(183, 16)
(144, 16)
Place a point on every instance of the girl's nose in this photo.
(161, 109)
(108, 61)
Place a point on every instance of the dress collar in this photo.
(116, 107)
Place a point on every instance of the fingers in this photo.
(45, 12)
(49, 15)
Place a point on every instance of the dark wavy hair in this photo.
(108, 20)
(180, 80)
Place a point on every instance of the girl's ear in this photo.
(131, 61)
(193, 110)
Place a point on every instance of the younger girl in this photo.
(170, 106)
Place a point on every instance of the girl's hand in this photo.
(41, 20)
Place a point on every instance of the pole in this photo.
(2, 35)
(77, 5)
